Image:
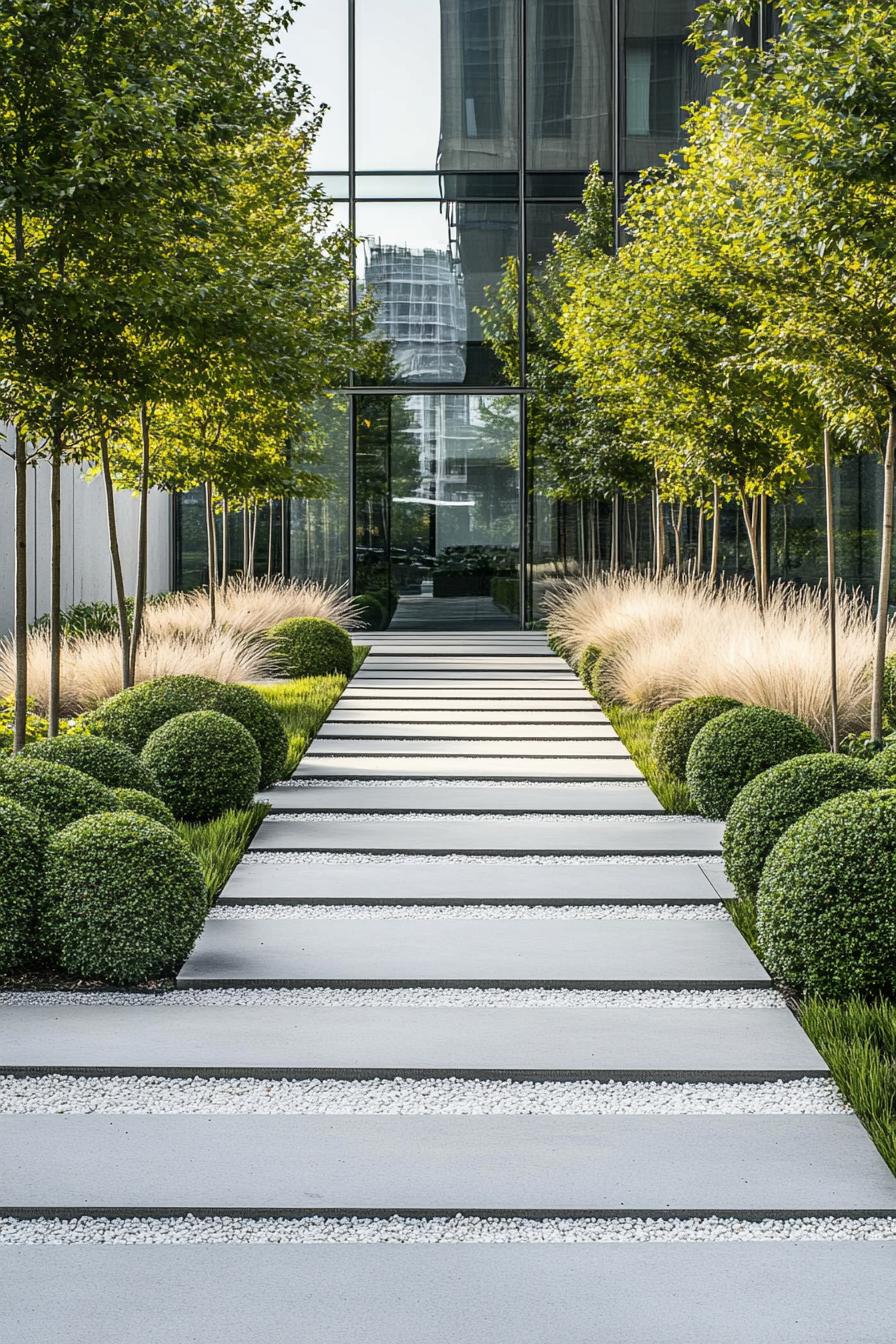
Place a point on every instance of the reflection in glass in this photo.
(437, 509)
(317, 42)
(319, 527)
(660, 75)
(427, 267)
(436, 84)
(570, 83)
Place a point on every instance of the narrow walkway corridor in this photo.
(468, 912)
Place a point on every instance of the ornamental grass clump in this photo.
(735, 747)
(204, 763)
(311, 648)
(56, 792)
(124, 899)
(262, 722)
(826, 909)
(771, 803)
(677, 727)
(112, 763)
(147, 805)
(23, 841)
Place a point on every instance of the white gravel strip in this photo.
(336, 856)
(411, 997)
(572, 785)
(133, 1231)
(687, 912)
(647, 819)
(59, 1094)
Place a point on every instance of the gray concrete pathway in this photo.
(491, 799)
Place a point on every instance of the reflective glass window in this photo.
(319, 528)
(569, 99)
(317, 43)
(427, 266)
(436, 83)
(660, 76)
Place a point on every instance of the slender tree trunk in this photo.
(20, 620)
(677, 516)
(55, 583)
(716, 529)
(614, 535)
(883, 591)
(660, 537)
(636, 527)
(701, 542)
(211, 542)
(750, 513)
(117, 573)
(832, 584)
(245, 522)
(629, 530)
(225, 542)
(270, 537)
(763, 547)
(142, 544)
(253, 538)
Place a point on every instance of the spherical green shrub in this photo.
(826, 910)
(586, 664)
(262, 722)
(602, 687)
(889, 690)
(883, 767)
(204, 762)
(23, 841)
(774, 800)
(131, 715)
(57, 792)
(677, 727)
(306, 646)
(146, 805)
(737, 746)
(370, 610)
(112, 763)
(124, 899)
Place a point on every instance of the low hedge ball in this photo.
(677, 727)
(774, 800)
(826, 909)
(307, 646)
(251, 709)
(124, 899)
(132, 714)
(205, 763)
(147, 805)
(57, 792)
(737, 746)
(883, 767)
(112, 763)
(23, 840)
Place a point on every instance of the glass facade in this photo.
(455, 144)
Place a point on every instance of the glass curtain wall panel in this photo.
(317, 42)
(320, 526)
(569, 84)
(437, 509)
(659, 76)
(427, 266)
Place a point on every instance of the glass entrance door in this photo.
(437, 511)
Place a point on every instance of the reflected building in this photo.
(457, 143)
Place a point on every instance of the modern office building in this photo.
(457, 140)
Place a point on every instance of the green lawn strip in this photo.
(635, 728)
(858, 1041)
(219, 844)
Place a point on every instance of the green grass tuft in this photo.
(635, 728)
(219, 844)
(858, 1040)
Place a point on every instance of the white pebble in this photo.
(311, 911)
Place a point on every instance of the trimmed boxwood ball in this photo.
(774, 800)
(264, 724)
(205, 763)
(586, 664)
(23, 841)
(735, 747)
(677, 727)
(371, 611)
(112, 763)
(600, 686)
(307, 646)
(135, 800)
(57, 792)
(826, 910)
(132, 715)
(883, 767)
(124, 899)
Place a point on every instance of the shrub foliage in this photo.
(22, 844)
(308, 647)
(60, 794)
(204, 763)
(677, 727)
(735, 747)
(146, 805)
(112, 763)
(826, 911)
(774, 800)
(262, 722)
(132, 715)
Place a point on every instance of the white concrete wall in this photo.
(86, 567)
